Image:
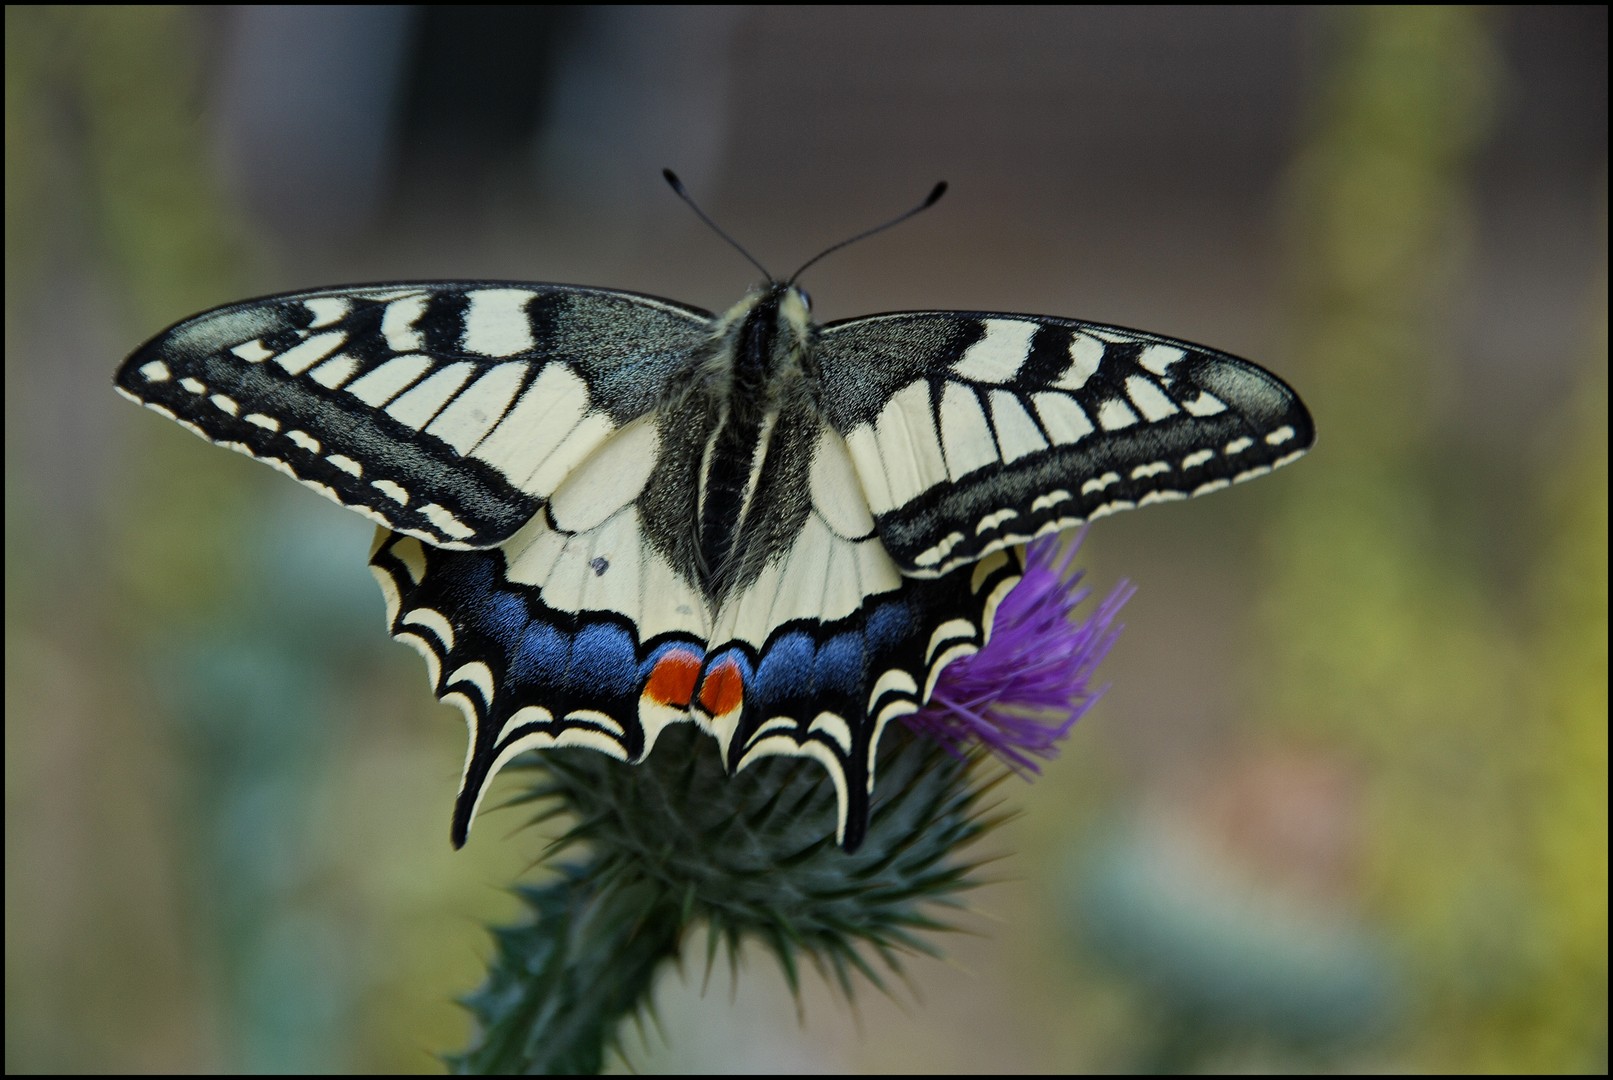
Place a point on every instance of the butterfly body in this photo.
(604, 513)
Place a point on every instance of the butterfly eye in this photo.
(806, 297)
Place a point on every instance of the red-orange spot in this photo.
(673, 678)
(723, 689)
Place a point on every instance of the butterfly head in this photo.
(794, 308)
(785, 311)
(767, 333)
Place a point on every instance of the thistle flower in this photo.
(1019, 696)
(660, 847)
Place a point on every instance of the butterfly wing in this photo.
(822, 642)
(577, 631)
(447, 412)
(973, 432)
(503, 435)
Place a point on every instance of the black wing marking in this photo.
(446, 411)
(971, 432)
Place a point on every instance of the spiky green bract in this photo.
(673, 843)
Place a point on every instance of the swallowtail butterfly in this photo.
(603, 513)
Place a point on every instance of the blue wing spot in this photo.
(604, 653)
(542, 651)
(888, 624)
(736, 656)
(666, 649)
(842, 663)
(600, 565)
(785, 670)
(505, 615)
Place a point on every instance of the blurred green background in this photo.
(1345, 804)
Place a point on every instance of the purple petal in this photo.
(1021, 694)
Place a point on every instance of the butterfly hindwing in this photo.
(826, 687)
(822, 642)
(448, 412)
(973, 432)
(553, 639)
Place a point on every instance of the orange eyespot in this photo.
(723, 689)
(672, 681)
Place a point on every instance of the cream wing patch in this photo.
(606, 481)
(611, 567)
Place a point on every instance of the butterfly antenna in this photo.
(677, 186)
(929, 200)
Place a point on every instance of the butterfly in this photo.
(603, 513)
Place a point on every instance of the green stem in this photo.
(559, 986)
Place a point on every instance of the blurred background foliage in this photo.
(1345, 805)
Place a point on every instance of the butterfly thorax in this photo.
(759, 347)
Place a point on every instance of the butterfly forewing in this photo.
(973, 432)
(445, 411)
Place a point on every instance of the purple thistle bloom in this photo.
(1023, 692)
